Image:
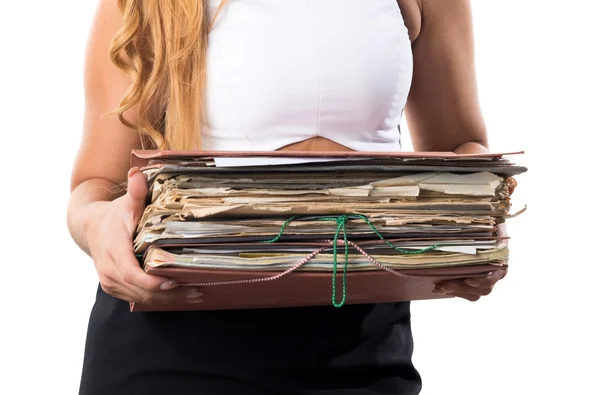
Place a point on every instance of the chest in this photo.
(411, 12)
(298, 69)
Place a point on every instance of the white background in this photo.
(538, 71)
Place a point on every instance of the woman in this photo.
(259, 75)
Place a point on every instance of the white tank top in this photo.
(283, 71)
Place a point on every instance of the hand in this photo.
(109, 238)
(473, 288)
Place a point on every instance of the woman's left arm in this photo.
(443, 111)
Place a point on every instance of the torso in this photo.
(283, 74)
(338, 83)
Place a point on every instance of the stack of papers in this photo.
(328, 214)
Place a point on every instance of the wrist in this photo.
(92, 214)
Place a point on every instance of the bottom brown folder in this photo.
(298, 289)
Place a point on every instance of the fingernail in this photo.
(132, 171)
(472, 282)
(168, 285)
(194, 295)
(439, 290)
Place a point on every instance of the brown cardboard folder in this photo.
(190, 191)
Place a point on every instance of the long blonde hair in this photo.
(162, 46)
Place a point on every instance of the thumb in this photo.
(137, 190)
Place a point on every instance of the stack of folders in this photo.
(284, 229)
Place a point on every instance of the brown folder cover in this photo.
(311, 289)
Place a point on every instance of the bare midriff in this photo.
(315, 144)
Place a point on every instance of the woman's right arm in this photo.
(101, 219)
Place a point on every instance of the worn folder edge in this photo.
(141, 158)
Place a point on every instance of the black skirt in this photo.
(355, 349)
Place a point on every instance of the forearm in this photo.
(87, 200)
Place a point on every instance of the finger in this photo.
(488, 281)
(137, 185)
(477, 282)
(467, 289)
(108, 275)
(111, 286)
(137, 190)
(459, 287)
(133, 276)
(180, 295)
(469, 297)
(450, 286)
(131, 290)
(500, 274)
(111, 280)
(183, 294)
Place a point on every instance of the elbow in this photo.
(472, 147)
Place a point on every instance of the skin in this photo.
(443, 114)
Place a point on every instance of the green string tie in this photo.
(341, 226)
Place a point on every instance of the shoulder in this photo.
(437, 14)
(100, 72)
